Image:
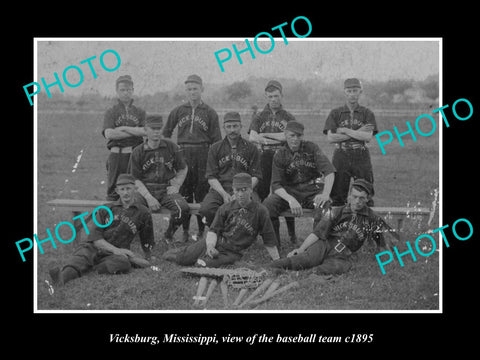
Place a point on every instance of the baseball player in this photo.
(339, 234)
(350, 127)
(296, 168)
(159, 169)
(198, 128)
(123, 128)
(266, 130)
(226, 158)
(235, 227)
(107, 249)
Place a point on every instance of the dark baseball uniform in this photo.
(340, 235)
(126, 223)
(198, 128)
(269, 122)
(297, 172)
(120, 149)
(155, 168)
(351, 158)
(223, 163)
(237, 228)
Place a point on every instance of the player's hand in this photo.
(153, 203)
(212, 252)
(124, 252)
(227, 197)
(293, 253)
(172, 189)
(295, 207)
(341, 130)
(320, 200)
(367, 127)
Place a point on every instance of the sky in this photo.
(162, 64)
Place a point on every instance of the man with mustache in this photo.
(228, 157)
(296, 168)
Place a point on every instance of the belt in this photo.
(350, 146)
(120, 150)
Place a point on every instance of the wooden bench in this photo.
(393, 215)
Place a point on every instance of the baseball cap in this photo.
(352, 83)
(242, 180)
(295, 126)
(364, 185)
(154, 121)
(123, 179)
(194, 78)
(124, 78)
(231, 116)
(275, 84)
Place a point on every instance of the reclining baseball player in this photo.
(338, 235)
(234, 228)
(107, 249)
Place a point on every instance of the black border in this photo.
(89, 333)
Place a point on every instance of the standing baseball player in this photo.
(296, 168)
(198, 128)
(107, 249)
(123, 128)
(228, 157)
(235, 227)
(339, 234)
(159, 169)
(350, 127)
(267, 131)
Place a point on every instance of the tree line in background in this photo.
(312, 94)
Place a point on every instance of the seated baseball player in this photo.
(227, 157)
(339, 233)
(234, 228)
(107, 249)
(295, 169)
(160, 169)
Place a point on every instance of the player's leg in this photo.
(179, 211)
(341, 184)
(275, 206)
(208, 207)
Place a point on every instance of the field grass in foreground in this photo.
(71, 164)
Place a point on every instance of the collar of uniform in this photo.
(122, 104)
(267, 108)
(348, 210)
(200, 104)
(250, 207)
(241, 141)
(345, 108)
(162, 143)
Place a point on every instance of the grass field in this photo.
(71, 164)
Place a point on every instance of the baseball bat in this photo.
(240, 296)
(224, 289)
(257, 291)
(211, 287)
(138, 261)
(202, 284)
(274, 293)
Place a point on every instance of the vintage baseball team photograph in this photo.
(260, 188)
